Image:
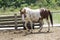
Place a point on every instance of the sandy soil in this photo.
(54, 34)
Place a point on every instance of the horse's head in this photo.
(22, 13)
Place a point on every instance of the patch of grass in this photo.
(9, 11)
(56, 17)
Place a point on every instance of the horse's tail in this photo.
(51, 19)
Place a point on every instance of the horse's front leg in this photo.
(26, 31)
(26, 25)
(31, 26)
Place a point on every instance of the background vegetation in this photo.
(7, 6)
(22, 3)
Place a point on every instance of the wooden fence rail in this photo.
(12, 21)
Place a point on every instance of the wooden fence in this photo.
(12, 21)
(15, 21)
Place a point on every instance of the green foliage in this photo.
(31, 3)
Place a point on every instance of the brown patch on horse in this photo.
(45, 13)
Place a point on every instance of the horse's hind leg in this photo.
(41, 25)
(48, 25)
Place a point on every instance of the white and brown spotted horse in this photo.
(31, 15)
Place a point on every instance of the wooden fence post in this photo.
(15, 21)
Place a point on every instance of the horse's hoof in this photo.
(28, 30)
(39, 31)
(31, 32)
(47, 31)
(25, 34)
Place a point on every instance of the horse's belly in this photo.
(35, 16)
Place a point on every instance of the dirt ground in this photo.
(54, 34)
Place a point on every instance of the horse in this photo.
(36, 15)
